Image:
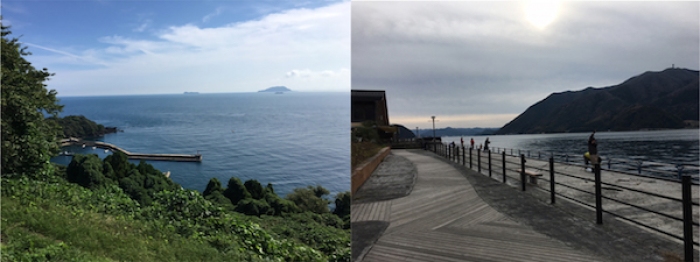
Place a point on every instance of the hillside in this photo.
(81, 127)
(449, 131)
(652, 100)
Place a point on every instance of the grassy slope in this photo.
(52, 231)
(66, 222)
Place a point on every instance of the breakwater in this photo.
(137, 156)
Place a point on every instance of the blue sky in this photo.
(160, 47)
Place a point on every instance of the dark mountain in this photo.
(652, 100)
(276, 89)
(449, 131)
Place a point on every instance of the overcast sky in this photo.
(480, 64)
(154, 47)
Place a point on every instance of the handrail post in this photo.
(598, 196)
(450, 154)
(551, 179)
(489, 163)
(687, 218)
(478, 159)
(470, 157)
(522, 171)
(504, 166)
(463, 152)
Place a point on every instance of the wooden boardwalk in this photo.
(443, 219)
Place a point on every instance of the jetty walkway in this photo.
(452, 213)
(138, 156)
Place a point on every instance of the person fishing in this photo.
(486, 144)
(592, 150)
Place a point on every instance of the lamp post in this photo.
(433, 117)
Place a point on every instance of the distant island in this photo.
(276, 89)
(191, 93)
(652, 100)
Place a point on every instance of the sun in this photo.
(541, 13)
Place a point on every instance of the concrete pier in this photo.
(137, 156)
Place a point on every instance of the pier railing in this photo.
(665, 171)
(561, 183)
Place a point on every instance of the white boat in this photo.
(94, 147)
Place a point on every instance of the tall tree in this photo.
(28, 140)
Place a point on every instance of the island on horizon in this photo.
(191, 93)
(276, 89)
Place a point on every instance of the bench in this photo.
(532, 175)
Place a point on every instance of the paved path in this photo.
(444, 219)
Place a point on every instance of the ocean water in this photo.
(669, 147)
(291, 140)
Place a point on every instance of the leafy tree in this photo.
(214, 192)
(270, 189)
(342, 204)
(213, 186)
(28, 140)
(281, 206)
(254, 207)
(310, 199)
(235, 191)
(320, 191)
(86, 170)
(119, 163)
(255, 189)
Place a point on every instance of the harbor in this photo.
(130, 155)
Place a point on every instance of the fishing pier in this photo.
(474, 205)
(136, 156)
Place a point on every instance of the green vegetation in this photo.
(80, 127)
(365, 143)
(28, 140)
(114, 210)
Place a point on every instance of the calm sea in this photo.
(291, 140)
(663, 146)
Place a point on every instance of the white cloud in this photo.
(238, 57)
(143, 26)
(306, 73)
(452, 58)
(208, 17)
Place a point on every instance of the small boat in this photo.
(94, 147)
(83, 145)
(106, 150)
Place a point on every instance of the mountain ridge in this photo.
(651, 100)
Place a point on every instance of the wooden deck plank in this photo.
(443, 219)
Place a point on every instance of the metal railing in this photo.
(453, 153)
(635, 167)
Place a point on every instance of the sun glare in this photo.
(541, 13)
